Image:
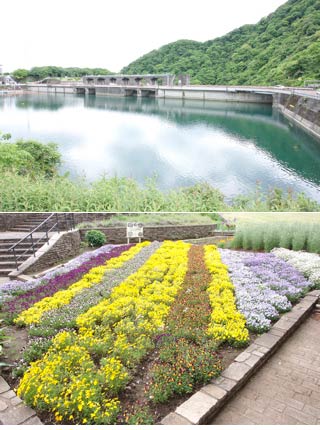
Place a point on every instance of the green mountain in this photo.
(283, 48)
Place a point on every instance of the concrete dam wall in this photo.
(304, 111)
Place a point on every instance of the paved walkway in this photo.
(286, 390)
(12, 410)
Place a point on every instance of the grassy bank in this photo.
(271, 217)
(153, 219)
(20, 193)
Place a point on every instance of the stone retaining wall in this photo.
(12, 219)
(167, 232)
(67, 246)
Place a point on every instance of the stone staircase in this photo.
(16, 233)
(7, 260)
(30, 222)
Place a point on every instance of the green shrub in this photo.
(95, 238)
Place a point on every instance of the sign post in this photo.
(134, 229)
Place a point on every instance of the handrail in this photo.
(69, 225)
(31, 232)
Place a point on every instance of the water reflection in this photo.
(230, 145)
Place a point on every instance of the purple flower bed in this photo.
(60, 282)
(279, 275)
(263, 286)
(13, 287)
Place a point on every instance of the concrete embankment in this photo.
(302, 110)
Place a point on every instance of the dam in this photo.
(299, 105)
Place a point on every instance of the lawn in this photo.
(123, 334)
(153, 219)
(274, 217)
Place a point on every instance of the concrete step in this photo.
(5, 248)
(5, 272)
(10, 256)
(21, 246)
(7, 264)
(22, 243)
(22, 229)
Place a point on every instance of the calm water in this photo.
(232, 146)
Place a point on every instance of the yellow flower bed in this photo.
(67, 383)
(137, 308)
(61, 298)
(119, 329)
(227, 324)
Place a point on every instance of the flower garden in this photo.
(119, 332)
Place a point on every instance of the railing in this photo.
(52, 223)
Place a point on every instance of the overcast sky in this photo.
(112, 33)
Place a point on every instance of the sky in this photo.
(112, 33)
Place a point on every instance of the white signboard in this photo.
(134, 229)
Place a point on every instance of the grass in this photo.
(39, 194)
(152, 219)
(272, 217)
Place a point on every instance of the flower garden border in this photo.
(202, 406)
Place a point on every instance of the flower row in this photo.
(186, 353)
(307, 263)
(68, 382)
(12, 288)
(227, 323)
(64, 318)
(45, 287)
(95, 275)
(264, 286)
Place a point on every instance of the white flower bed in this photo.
(306, 262)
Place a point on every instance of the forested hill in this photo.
(283, 48)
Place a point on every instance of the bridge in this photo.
(166, 79)
(163, 86)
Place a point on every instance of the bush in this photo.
(95, 238)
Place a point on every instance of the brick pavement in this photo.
(286, 390)
(13, 410)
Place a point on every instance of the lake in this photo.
(232, 146)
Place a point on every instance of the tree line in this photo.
(39, 73)
(282, 48)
